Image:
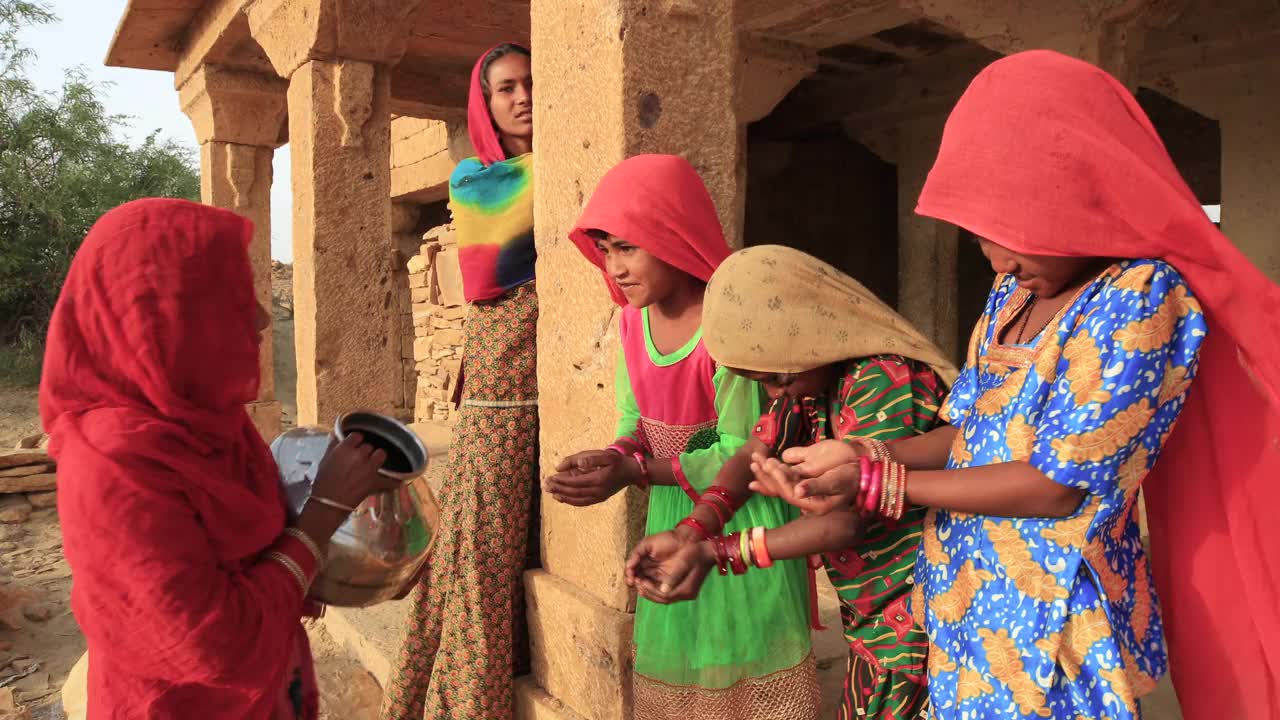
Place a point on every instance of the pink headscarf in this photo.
(484, 137)
(1045, 154)
(659, 204)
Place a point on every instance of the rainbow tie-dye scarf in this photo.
(493, 213)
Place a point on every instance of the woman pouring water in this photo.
(189, 581)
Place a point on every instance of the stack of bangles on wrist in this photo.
(883, 488)
(297, 553)
(721, 502)
(741, 550)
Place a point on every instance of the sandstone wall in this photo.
(437, 313)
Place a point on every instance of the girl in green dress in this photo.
(742, 651)
(837, 363)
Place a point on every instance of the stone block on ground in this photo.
(14, 509)
(30, 442)
(533, 703)
(43, 500)
(29, 483)
(581, 648)
(18, 458)
(25, 470)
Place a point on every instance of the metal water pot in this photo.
(390, 535)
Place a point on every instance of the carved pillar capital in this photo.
(294, 32)
(233, 106)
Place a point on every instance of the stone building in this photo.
(813, 122)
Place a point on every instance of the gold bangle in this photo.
(306, 540)
(886, 487)
(288, 564)
(876, 448)
(332, 503)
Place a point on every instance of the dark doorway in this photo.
(829, 196)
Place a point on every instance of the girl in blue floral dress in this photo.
(1033, 585)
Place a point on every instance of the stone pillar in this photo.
(337, 56)
(1245, 99)
(628, 60)
(927, 282)
(346, 312)
(239, 118)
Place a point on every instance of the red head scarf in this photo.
(153, 351)
(1048, 155)
(484, 137)
(165, 489)
(659, 204)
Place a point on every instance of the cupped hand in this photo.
(591, 477)
(777, 479)
(820, 457)
(665, 569)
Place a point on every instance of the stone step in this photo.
(372, 636)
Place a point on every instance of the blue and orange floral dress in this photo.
(1056, 617)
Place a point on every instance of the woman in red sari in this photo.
(188, 583)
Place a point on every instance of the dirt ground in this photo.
(19, 416)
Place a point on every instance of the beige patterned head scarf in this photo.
(775, 309)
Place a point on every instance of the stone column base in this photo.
(266, 417)
(581, 652)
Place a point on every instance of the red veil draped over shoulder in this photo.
(1048, 155)
(166, 492)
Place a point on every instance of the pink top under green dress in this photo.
(742, 648)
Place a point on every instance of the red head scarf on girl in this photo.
(151, 356)
(484, 137)
(1048, 155)
(659, 204)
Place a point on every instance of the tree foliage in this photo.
(63, 163)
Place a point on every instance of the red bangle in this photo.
(692, 523)
(715, 508)
(736, 563)
(718, 499)
(735, 504)
(722, 555)
(643, 482)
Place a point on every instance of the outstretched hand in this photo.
(665, 569)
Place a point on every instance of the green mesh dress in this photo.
(741, 650)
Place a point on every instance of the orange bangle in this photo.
(760, 549)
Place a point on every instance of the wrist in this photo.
(706, 553)
(638, 471)
(686, 534)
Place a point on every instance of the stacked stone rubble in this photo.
(437, 314)
(28, 479)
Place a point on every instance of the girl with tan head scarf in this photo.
(837, 363)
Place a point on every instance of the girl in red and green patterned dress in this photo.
(837, 363)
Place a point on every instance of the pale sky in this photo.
(81, 37)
